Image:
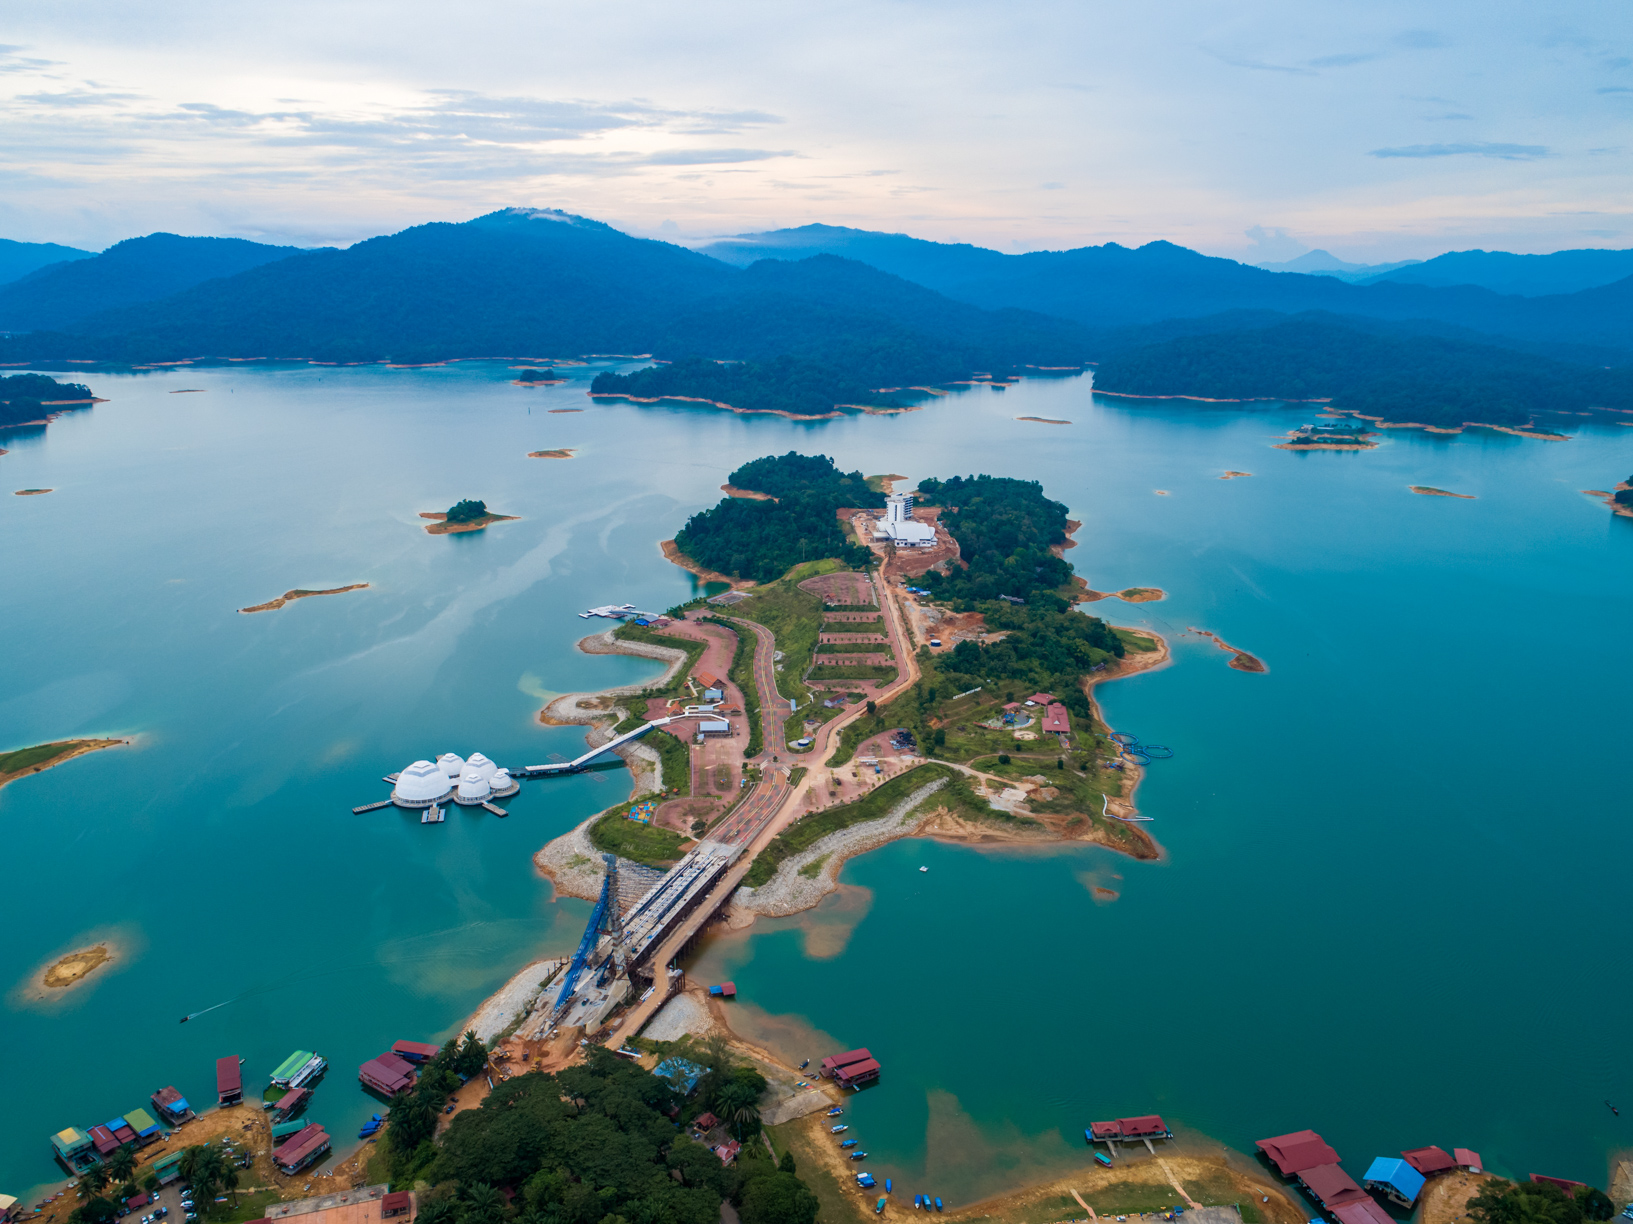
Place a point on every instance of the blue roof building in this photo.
(682, 1073)
(1397, 1180)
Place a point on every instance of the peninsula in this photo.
(24, 761)
(1619, 499)
(463, 516)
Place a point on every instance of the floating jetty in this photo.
(615, 612)
(433, 815)
(495, 808)
(371, 807)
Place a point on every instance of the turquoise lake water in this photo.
(1394, 881)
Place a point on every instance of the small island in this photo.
(1043, 420)
(1127, 594)
(1431, 491)
(74, 968)
(31, 492)
(25, 761)
(464, 515)
(1230, 475)
(536, 378)
(272, 605)
(1242, 661)
(1329, 437)
(36, 399)
(563, 452)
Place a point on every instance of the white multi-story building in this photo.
(899, 526)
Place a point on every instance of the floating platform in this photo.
(432, 815)
(371, 807)
(495, 809)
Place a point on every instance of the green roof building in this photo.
(290, 1066)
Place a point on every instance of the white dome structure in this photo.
(502, 784)
(481, 764)
(451, 765)
(473, 788)
(420, 785)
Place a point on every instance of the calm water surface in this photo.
(1394, 881)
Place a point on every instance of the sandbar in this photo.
(31, 492)
(1431, 491)
(673, 554)
(1519, 431)
(560, 453)
(440, 525)
(188, 391)
(1229, 475)
(1243, 661)
(566, 410)
(1315, 446)
(538, 382)
(272, 605)
(695, 399)
(25, 761)
(74, 968)
(1044, 420)
(1127, 594)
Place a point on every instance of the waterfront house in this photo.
(167, 1168)
(301, 1149)
(415, 1051)
(1569, 1187)
(1295, 1152)
(855, 1074)
(104, 1142)
(834, 1061)
(1396, 1180)
(147, 1130)
(387, 1074)
(229, 1081)
(8, 1208)
(75, 1149)
(1467, 1159)
(172, 1106)
(291, 1103)
(1429, 1160)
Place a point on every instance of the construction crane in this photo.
(607, 903)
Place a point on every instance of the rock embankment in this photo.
(789, 892)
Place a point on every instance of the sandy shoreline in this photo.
(76, 748)
(673, 555)
(439, 524)
(559, 453)
(1431, 491)
(1609, 498)
(1243, 661)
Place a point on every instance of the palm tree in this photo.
(437, 1211)
(92, 1180)
(121, 1164)
(484, 1204)
(229, 1183)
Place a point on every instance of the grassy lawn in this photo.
(810, 829)
(676, 758)
(250, 1207)
(27, 758)
(853, 671)
(1136, 642)
(614, 833)
(795, 618)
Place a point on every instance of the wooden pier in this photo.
(371, 807)
(494, 808)
(433, 815)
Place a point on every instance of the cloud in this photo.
(1615, 89)
(1273, 244)
(1238, 61)
(75, 98)
(711, 157)
(1344, 60)
(1471, 148)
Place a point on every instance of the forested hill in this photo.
(136, 270)
(1425, 379)
(762, 540)
(33, 397)
(544, 284)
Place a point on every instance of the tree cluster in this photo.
(783, 384)
(763, 539)
(1505, 1202)
(1624, 497)
(1004, 528)
(467, 511)
(598, 1143)
(23, 397)
(414, 1113)
(1424, 379)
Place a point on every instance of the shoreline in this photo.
(439, 524)
(1608, 497)
(1243, 661)
(673, 555)
(1431, 491)
(563, 452)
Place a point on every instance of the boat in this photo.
(849, 1143)
(805, 1064)
(839, 1130)
(835, 1112)
(887, 1185)
(924, 869)
(879, 1207)
(1103, 1159)
(859, 1155)
(918, 1201)
(938, 1202)
(865, 1180)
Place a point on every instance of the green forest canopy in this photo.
(762, 540)
(23, 396)
(1424, 379)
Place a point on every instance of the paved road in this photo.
(774, 804)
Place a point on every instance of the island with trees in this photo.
(24, 761)
(464, 515)
(36, 399)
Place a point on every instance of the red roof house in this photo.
(855, 1073)
(415, 1052)
(1040, 699)
(706, 1122)
(1467, 1159)
(387, 1074)
(229, 1081)
(1334, 1187)
(1362, 1211)
(1056, 719)
(396, 1203)
(1295, 1152)
(1429, 1160)
(103, 1138)
(835, 1061)
(1569, 1187)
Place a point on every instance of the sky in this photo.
(1258, 129)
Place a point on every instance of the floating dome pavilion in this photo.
(421, 785)
(481, 764)
(502, 784)
(473, 788)
(451, 765)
